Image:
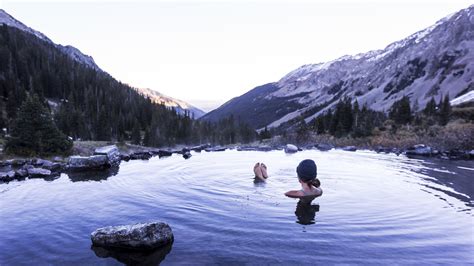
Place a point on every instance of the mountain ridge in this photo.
(74, 53)
(432, 62)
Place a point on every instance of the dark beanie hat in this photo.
(306, 170)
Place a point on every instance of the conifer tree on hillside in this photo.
(136, 138)
(444, 111)
(400, 111)
(430, 108)
(34, 132)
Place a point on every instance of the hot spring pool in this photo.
(376, 208)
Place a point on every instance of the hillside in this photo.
(87, 103)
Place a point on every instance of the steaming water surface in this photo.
(375, 208)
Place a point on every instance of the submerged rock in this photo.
(94, 162)
(137, 236)
(134, 257)
(112, 153)
(290, 148)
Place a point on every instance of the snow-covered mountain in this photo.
(178, 105)
(77, 55)
(433, 62)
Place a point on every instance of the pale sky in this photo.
(207, 52)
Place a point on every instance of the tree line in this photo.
(89, 104)
(349, 119)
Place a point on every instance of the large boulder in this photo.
(136, 236)
(290, 148)
(112, 153)
(81, 163)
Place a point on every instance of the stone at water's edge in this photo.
(95, 162)
(112, 153)
(349, 148)
(38, 172)
(137, 236)
(290, 148)
(420, 149)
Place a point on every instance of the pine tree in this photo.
(400, 111)
(444, 111)
(136, 138)
(34, 131)
(430, 108)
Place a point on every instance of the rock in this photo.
(137, 236)
(21, 173)
(471, 154)
(94, 162)
(323, 147)
(112, 153)
(38, 172)
(7, 176)
(380, 149)
(349, 148)
(217, 148)
(187, 155)
(164, 153)
(455, 155)
(52, 166)
(125, 157)
(290, 148)
(141, 155)
(58, 159)
(27, 166)
(199, 148)
(254, 148)
(420, 150)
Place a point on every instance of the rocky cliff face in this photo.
(433, 62)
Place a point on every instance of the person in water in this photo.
(260, 170)
(310, 185)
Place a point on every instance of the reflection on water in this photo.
(305, 211)
(99, 175)
(134, 257)
(376, 209)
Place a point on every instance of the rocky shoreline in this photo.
(109, 157)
